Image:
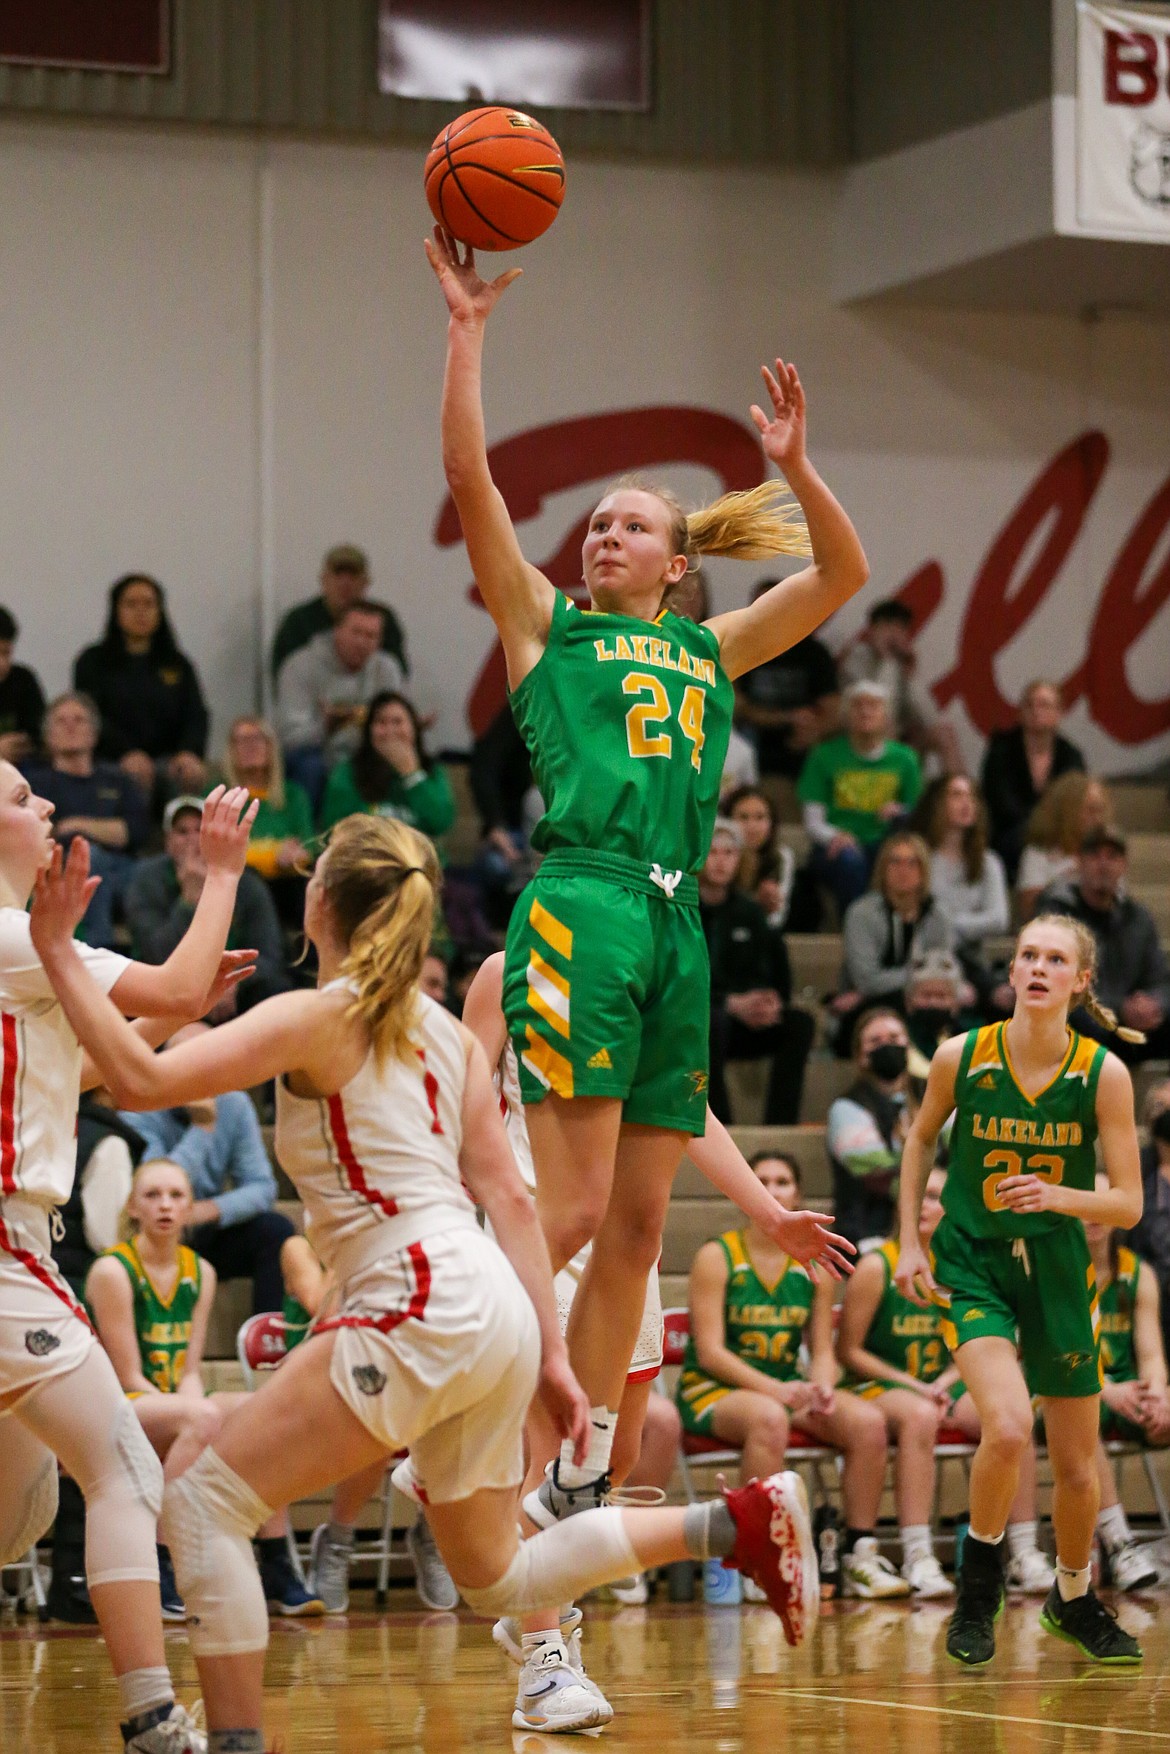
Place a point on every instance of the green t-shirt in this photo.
(627, 723)
(855, 788)
(764, 1324)
(998, 1131)
(293, 821)
(424, 800)
(163, 1325)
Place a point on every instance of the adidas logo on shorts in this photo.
(600, 1061)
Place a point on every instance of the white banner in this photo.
(1123, 120)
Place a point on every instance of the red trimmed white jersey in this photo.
(386, 1146)
(40, 1066)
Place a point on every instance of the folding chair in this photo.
(1119, 1449)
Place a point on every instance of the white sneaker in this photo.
(329, 1570)
(631, 1592)
(506, 1633)
(1131, 1567)
(432, 1580)
(551, 1696)
(865, 1572)
(1030, 1573)
(177, 1734)
(577, 1664)
(927, 1579)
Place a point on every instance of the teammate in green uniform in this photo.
(897, 1357)
(1031, 1098)
(753, 1309)
(626, 710)
(1135, 1401)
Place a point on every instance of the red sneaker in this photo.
(774, 1547)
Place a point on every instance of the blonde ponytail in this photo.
(753, 523)
(381, 879)
(1086, 945)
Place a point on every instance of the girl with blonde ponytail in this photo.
(626, 711)
(388, 1124)
(1010, 1265)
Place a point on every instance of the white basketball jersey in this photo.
(40, 1066)
(385, 1149)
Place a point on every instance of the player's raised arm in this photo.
(519, 599)
(798, 605)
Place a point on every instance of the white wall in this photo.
(218, 357)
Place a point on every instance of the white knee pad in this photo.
(29, 1501)
(123, 1497)
(209, 1518)
(558, 1565)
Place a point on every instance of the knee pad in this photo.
(558, 1565)
(143, 1468)
(209, 1518)
(33, 1512)
(123, 1497)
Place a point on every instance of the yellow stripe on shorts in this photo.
(546, 1065)
(551, 930)
(548, 993)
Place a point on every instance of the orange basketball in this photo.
(495, 178)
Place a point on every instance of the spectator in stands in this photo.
(434, 979)
(279, 844)
(345, 579)
(93, 799)
(886, 930)
(967, 878)
(22, 699)
(884, 652)
(788, 704)
(324, 690)
(751, 987)
(751, 1311)
(390, 773)
(1072, 807)
(500, 774)
(766, 867)
(162, 896)
(153, 716)
(1133, 974)
(1020, 764)
(1150, 1237)
(1135, 1400)
(233, 1223)
(854, 789)
(867, 1128)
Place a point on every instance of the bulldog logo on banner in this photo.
(1123, 120)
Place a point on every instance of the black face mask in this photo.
(1160, 1127)
(887, 1062)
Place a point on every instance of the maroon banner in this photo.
(117, 36)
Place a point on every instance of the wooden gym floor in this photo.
(683, 1679)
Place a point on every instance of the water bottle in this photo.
(722, 1588)
(962, 1524)
(827, 1541)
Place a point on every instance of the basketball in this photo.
(495, 178)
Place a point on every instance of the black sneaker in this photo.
(971, 1632)
(173, 1610)
(284, 1592)
(1091, 1626)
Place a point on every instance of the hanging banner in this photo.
(1123, 120)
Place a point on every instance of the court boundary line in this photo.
(1050, 1723)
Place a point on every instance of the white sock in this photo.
(1071, 1581)
(143, 1690)
(988, 1540)
(602, 1425)
(1113, 1528)
(1021, 1538)
(547, 1640)
(916, 1542)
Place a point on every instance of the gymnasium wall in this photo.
(219, 355)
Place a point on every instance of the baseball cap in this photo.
(347, 557)
(1104, 836)
(866, 688)
(188, 801)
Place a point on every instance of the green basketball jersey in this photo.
(627, 723)
(903, 1335)
(999, 1131)
(1115, 1306)
(764, 1324)
(163, 1325)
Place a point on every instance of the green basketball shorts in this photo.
(607, 988)
(1037, 1291)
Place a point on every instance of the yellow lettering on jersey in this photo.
(977, 1127)
(639, 641)
(685, 666)
(1049, 1134)
(912, 1325)
(655, 657)
(1075, 1135)
(992, 1128)
(669, 661)
(707, 671)
(603, 654)
(622, 648)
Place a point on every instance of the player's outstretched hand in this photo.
(468, 296)
(782, 435)
(913, 1276)
(565, 1402)
(810, 1239)
(62, 894)
(223, 834)
(234, 966)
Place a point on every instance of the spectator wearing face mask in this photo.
(867, 1128)
(1150, 1237)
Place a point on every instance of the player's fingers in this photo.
(758, 415)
